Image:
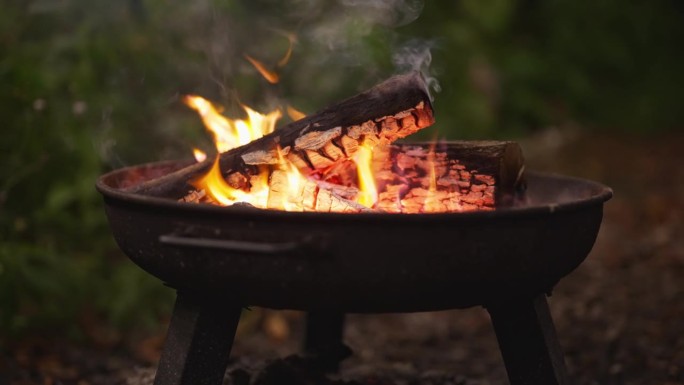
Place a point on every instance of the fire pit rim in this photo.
(602, 194)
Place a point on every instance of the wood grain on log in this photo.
(411, 179)
(311, 195)
(394, 109)
(459, 176)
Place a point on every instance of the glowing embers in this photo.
(396, 179)
(368, 193)
(338, 160)
(422, 179)
(279, 185)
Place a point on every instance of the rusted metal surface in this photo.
(360, 262)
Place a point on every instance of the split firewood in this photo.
(310, 195)
(455, 176)
(394, 109)
(459, 176)
(196, 196)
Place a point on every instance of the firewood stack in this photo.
(410, 179)
(310, 195)
(414, 179)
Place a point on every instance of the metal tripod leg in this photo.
(198, 341)
(528, 342)
(324, 331)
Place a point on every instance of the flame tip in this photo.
(270, 76)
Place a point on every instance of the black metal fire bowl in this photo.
(358, 262)
(221, 259)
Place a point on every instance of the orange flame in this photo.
(295, 184)
(292, 39)
(368, 192)
(217, 187)
(431, 204)
(295, 114)
(278, 186)
(270, 76)
(199, 155)
(231, 133)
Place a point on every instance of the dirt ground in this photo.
(619, 316)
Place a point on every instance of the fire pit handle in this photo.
(304, 247)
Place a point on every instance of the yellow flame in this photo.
(260, 124)
(231, 133)
(291, 38)
(431, 204)
(368, 192)
(217, 187)
(295, 183)
(294, 178)
(228, 134)
(270, 76)
(259, 187)
(199, 155)
(295, 114)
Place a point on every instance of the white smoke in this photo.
(389, 13)
(415, 55)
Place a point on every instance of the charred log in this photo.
(460, 176)
(391, 110)
(311, 195)
(463, 176)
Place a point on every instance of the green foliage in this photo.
(59, 79)
(510, 66)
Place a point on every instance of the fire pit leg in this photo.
(198, 341)
(323, 339)
(528, 342)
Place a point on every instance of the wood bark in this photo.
(455, 176)
(459, 176)
(391, 110)
(412, 178)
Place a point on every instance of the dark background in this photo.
(589, 88)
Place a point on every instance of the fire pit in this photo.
(221, 259)
(473, 237)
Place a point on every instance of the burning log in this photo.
(461, 176)
(391, 110)
(310, 195)
(307, 196)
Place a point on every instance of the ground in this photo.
(619, 316)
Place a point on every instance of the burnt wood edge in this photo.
(397, 94)
(503, 160)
